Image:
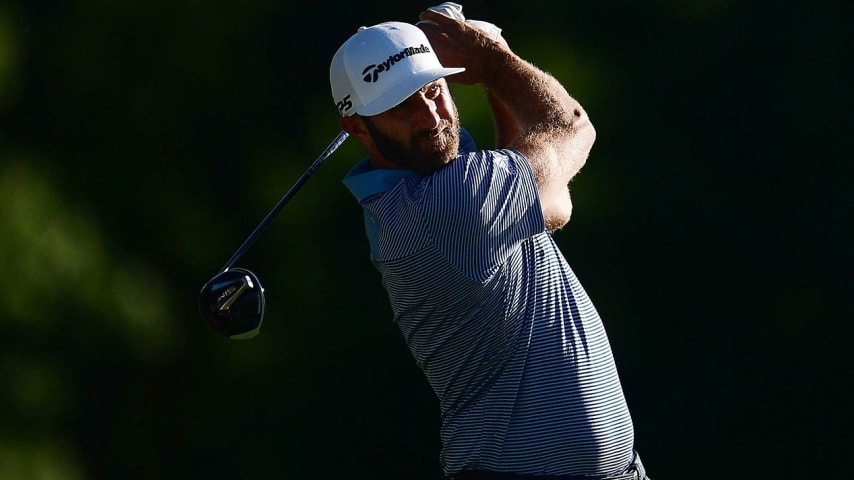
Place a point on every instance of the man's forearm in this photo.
(548, 121)
(535, 100)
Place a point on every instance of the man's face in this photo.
(422, 133)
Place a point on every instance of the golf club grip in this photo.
(285, 199)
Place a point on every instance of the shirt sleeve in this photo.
(480, 208)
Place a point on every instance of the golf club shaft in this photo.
(285, 199)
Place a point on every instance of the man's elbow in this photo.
(582, 139)
(577, 135)
(584, 134)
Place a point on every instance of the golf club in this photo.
(232, 302)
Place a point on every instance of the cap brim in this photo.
(404, 89)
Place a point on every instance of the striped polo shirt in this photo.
(496, 319)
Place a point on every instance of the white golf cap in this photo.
(381, 66)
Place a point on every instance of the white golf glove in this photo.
(455, 11)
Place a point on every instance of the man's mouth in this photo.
(435, 137)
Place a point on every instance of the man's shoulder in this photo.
(485, 164)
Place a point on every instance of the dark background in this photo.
(141, 142)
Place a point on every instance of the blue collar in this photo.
(363, 180)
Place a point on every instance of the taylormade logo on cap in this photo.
(381, 66)
(372, 71)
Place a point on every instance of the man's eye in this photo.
(434, 90)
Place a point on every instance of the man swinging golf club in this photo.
(491, 311)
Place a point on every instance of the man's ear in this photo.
(355, 126)
(358, 129)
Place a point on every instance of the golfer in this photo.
(504, 332)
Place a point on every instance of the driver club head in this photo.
(232, 303)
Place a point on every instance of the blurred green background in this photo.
(141, 142)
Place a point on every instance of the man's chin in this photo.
(432, 159)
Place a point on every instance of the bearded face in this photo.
(425, 151)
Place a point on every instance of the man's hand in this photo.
(455, 11)
(459, 43)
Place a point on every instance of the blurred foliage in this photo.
(141, 142)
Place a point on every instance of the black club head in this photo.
(232, 303)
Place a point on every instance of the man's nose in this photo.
(426, 113)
